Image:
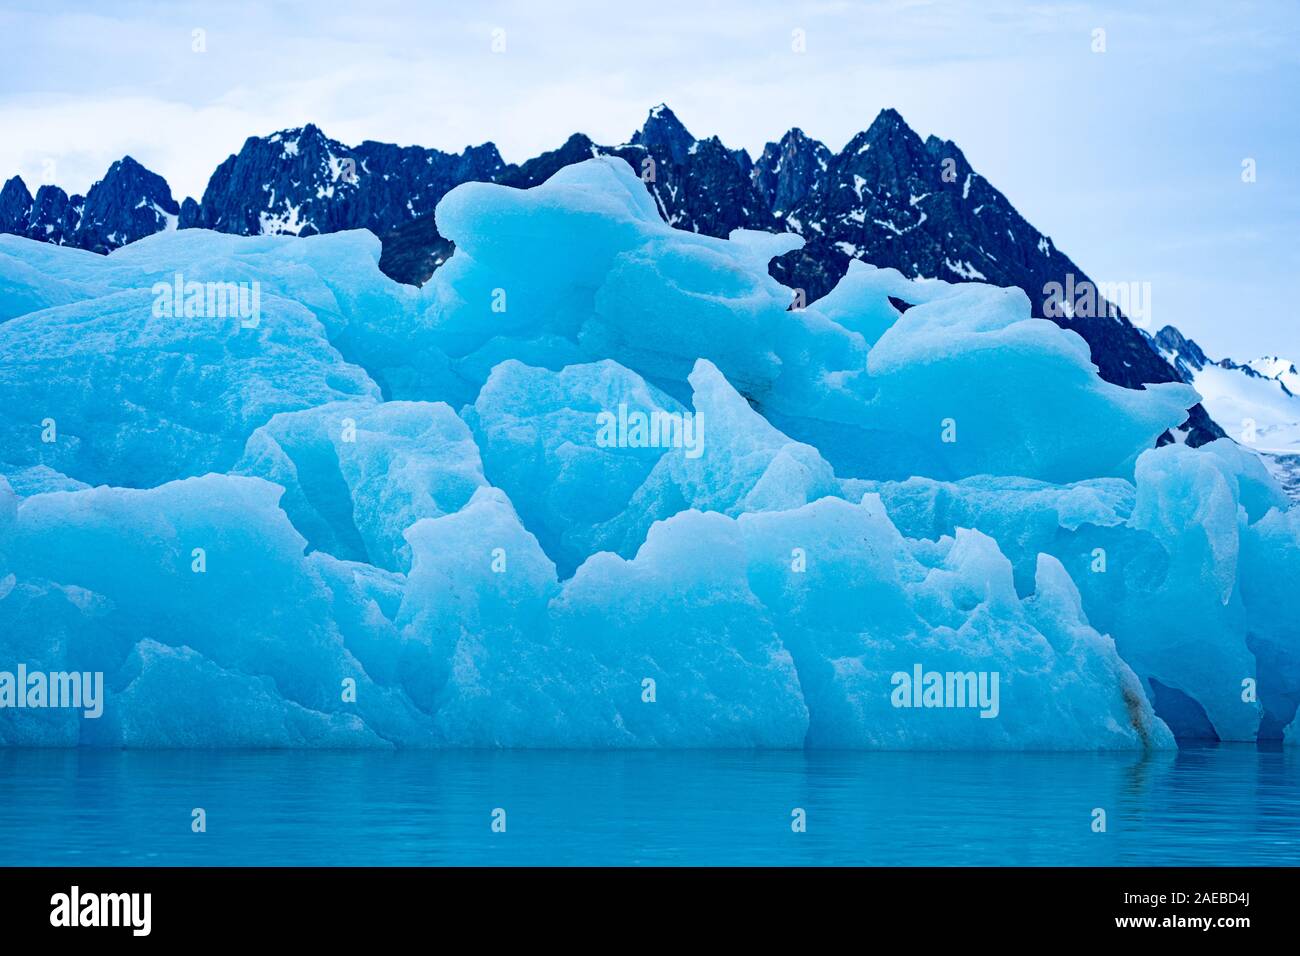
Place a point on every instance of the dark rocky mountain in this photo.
(541, 168)
(15, 204)
(699, 185)
(887, 197)
(53, 215)
(895, 200)
(1187, 358)
(413, 250)
(303, 183)
(788, 171)
(129, 203)
(1184, 354)
(50, 217)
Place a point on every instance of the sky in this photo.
(1126, 146)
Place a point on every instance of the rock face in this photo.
(53, 216)
(892, 199)
(789, 171)
(888, 197)
(129, 203)
(302, 183)
(15, 204)
(1182, 353)
(699, 185)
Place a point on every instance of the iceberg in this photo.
(604, 483)
(357, 475)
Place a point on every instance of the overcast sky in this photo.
(1130, 159)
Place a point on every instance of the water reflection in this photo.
(1223, 804)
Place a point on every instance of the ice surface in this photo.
(872, 603)
(873, 392)
(358, 475)
(196, 601)
(1184, 568)
(540, 439)
(105, 391)
(378, 516)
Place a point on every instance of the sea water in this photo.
(1221, 805)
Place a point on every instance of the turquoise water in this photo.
(1229, 805)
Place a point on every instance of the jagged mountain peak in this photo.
(791, 169)
(888, 198)
(306, 141)
(795, 141)
(15, 204)
(882, 144)
(941, 150)
(581, 140)
(1170, 337)
(888, 119)
(485, 154)
(1183, 353)
(309, 132)
(130, 173)
(664, 130)
(575, 149)
(129, 203)
(661, 115)
(301, 182)
(887, 128)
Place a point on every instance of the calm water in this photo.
(1222, 805)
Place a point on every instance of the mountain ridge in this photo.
(887, 197)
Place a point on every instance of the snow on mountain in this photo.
(300, 182)
(1252, 401)
(1260, 412)
(1280, 369)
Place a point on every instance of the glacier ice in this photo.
(599, 484)
(357, 475)
(871, 392)
(107, 392)
(539, 439)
